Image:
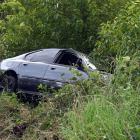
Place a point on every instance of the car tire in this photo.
(9, 83)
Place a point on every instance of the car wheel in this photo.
(9, 83)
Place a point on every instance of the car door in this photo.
(33, 69)
(62, 70)
(31, 75)
(59, 73)
(64, 73)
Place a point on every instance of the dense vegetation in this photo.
(34, 24)
(107, 29)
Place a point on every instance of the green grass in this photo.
(88, 110)
(100, 118)
(110, 111)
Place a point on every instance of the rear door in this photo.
(31, 75)
(32, 71)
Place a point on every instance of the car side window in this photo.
(69, 59)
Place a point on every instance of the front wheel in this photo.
(9, 83)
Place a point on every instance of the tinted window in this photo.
(46, 56)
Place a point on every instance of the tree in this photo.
(36, 24)
(122, 36)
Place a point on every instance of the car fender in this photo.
(9, 65)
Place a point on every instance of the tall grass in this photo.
(89, 110)
(112, 113)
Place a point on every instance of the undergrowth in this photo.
(95, 109)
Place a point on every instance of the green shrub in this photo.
(120, 36)
(35, 24)
(110, 113)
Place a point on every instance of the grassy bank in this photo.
(91, 110)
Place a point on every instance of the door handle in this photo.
(53, 68)
(25, 64)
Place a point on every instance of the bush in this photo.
(120, 36)
(35, 24)
(110, 113)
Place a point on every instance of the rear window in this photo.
(45, 56)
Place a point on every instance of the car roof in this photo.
(62, 49)
(54, 51)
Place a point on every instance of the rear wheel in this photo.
(9, 83)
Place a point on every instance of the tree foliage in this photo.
(33, 24)
(122, 36)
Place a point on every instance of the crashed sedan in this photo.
(51, 67)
